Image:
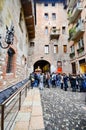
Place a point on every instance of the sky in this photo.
(51, 1)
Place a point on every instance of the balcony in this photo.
(76, 31)
(54, 33)
(71, 3)
(72, 16)
(28, 8)
(71, 33)
(72, 55)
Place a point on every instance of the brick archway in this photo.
(43, 64)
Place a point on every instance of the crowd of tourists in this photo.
(42, 80)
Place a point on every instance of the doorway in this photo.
(74, 68)
(43, 65)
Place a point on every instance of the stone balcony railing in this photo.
(72, 55)
(80, 51)
(76, 31)
(74, 12)
(54, 33)
(71, 3)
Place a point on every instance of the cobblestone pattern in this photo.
(63, 110)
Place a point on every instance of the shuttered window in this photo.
(55, 48)
(46, 49)
(65, 48)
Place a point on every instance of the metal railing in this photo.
(10, 105)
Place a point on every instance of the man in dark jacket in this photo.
(65, 79)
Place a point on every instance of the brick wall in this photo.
(10, 13)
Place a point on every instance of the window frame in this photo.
(45, 4)
(55, 49)
(53, 4)
(54, 16)
(72, 48)
(10, 61)
(32, 44)
(46, 16)
(80, 43)
(46, 30)
(65, 48)
(46, 49)
(63, 29)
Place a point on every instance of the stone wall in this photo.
(11, 12)
(42, 39)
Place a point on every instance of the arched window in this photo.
(11, 53)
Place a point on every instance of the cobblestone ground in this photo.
(63, 110)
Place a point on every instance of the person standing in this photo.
(41, 82)
(53, 80)
(32, 79)
(48, 82)
(61, 81)
(65, 79)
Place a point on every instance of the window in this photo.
(54, 28)
(65, 48)
(9, 64)
(45, 4)
(63, 30)
(10, 61)
(23, 60)
(46, 16)
(53, 16)
(46, 49)
(55, 48)
(46, 30)
(59, 63)
(80, 43)
(72, 48)
(31, 44)
(53, 4)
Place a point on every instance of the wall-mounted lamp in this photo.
(8, 38)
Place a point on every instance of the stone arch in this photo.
(43, 64)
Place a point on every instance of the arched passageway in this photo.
(43, 64)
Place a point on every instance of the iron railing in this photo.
(11, 100)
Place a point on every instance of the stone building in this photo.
(41, 38)
(49, 49)
(14, 59)
(77, 35)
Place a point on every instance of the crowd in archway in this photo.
(64, 81)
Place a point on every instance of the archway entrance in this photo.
(43, 64)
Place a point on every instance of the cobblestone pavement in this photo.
(63, 110)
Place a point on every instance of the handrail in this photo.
(10, 107)
(14, 94)
(11, 90)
